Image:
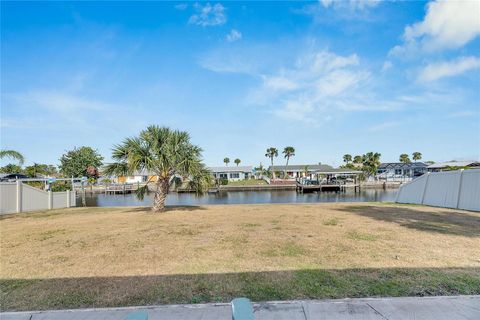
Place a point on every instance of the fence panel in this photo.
(443, 188)
(59, 200)
(8, 197)
(414, 192)
(33, 198)
(452, 189)
(469, 198)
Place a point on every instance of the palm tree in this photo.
(347, 158)
(287, 153)
(371, 162)
(417, 156)
(358, 159)
(404, 158)
(164, 153)
(237, 161)
(12, 154)
(272, 153)
(226, 160)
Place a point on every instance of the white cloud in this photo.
(234, 35)
(383, 126)
(181, 6)
(387, 65)
(279, 83)
(352, 4)
(447, 25)
(436, 71)
(318, 84)
(208, 15)
(463, 114)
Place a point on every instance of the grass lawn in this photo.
(98, 257)
(248, 182)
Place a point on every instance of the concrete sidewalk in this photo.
(429, 308)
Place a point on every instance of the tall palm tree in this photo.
(12, 154)
(404, 158)
(358, 159)
(164, 153)
(237, 161)
(347, 158)
(272, 153)
(371, 162)
(226, 160)
(416, 156)
(287, 153)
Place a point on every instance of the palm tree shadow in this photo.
(169, 209)
(442, 221)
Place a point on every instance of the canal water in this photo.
(242, 197)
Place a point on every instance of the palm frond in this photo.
(12, 154)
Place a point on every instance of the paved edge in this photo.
(224, 304)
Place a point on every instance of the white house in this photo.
(300, 170)
(233, 173)
(399, 171)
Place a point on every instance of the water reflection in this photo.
(242, 197)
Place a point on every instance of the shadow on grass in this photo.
(167, 209)
(61, 293)
(453, 222)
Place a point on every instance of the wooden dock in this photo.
(120, 188)
(305, 188)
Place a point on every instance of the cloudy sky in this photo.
(326, 77)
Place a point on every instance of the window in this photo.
(398, 171)
(223, 176)
(234, 175)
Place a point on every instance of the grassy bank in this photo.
(127, 256)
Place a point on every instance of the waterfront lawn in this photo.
(99, 257)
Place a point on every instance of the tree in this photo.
(347, 158)
(166, 154)
(404, 158)
(237, 161)
(358, 159)
(11, 168)
(272, 153)
(76, 162)
(416, 156)
(371, 162)
(287, 153)
(227, 161)
(12, 154)
(40, 169)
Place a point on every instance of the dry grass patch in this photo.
(274, 240)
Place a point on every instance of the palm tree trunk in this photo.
(160, 195)
(286, 165)
(273, 171)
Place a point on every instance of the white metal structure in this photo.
(18, 197)
(458, 189)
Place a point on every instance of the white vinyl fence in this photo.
(458, 189)
(19, 197)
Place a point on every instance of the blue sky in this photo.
(327, 77)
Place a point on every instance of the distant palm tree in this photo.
(347, 158)
(237, 161)
(227, 161)
(166, 154)
(358, 159)
(287, 153)
(417, 156)
(12, 154)
(404, 158)
(371, 162)
(272, 153)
